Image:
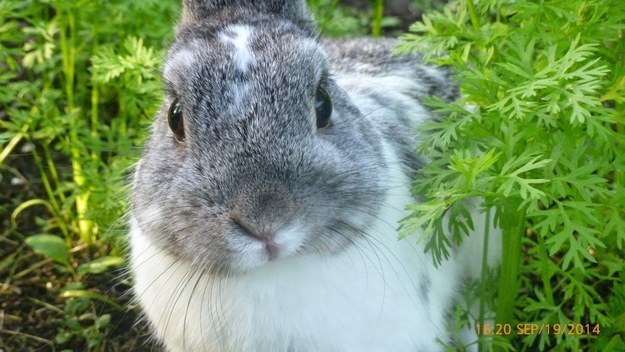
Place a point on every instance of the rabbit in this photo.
(265, 206)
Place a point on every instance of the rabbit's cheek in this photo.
(149, 215)
(289, 240)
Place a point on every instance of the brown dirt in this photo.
(32, 311)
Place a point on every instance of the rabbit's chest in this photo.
(375, 296)
(338, 306)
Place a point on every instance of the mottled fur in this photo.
(259, 232)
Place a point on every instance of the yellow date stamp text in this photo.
(538, 329)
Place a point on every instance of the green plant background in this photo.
(541, 145)
(539, 136)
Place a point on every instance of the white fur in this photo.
(238, 36)
(253, 253)
(364, 299)
(290, 239)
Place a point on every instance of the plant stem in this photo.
(95, 117)
(483, 275)
(544, 264)
(513, 229)
(55, 207)
(473, 14)
(378, 13)
(13, 143)
(53, 172)
(68, 48)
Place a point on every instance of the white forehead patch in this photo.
(238, 36)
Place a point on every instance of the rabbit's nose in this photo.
(266, 237)
(250, 230)
(260, 213)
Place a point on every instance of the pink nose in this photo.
(251, 231)
(264, 236)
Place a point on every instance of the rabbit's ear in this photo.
(294, 10)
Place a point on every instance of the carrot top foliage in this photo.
(539, 135)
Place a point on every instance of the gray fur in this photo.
(211, 12)
(252, 159)
(265, 147)
(373, 57)
(424, 288)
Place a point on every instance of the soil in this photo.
(30, 324)
(32, 312)
(31, 309)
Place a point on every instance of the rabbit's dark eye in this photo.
(174, 117)
(323, 108)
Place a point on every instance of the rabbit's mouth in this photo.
(269, 247)
(254, 248)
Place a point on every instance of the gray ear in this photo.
(295, 10)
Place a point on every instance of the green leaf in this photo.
(423, 215)
(51, 246)
(89, 295)
(100, 265)
(471, 166)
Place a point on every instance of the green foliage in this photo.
(85, 94)
(51, 246)
(81, 82)
(336, 19)
(611, 338)
(538, 135)
(100, 265)
(82, 321)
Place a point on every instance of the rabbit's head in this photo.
(256, 153)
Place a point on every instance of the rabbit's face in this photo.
(256, 153)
